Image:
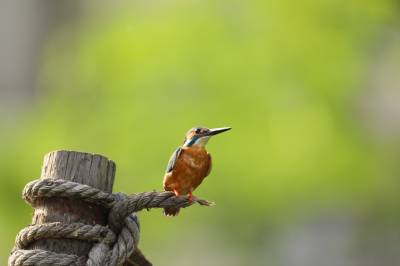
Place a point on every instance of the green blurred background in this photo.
(309, 175)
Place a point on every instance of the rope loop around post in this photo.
(115, 244)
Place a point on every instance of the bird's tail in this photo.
(171, 211)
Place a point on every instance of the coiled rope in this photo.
(114, 244)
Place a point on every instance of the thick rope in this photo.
(115, 244)
(44, 258)
(79, 231)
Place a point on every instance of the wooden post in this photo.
(90, 169)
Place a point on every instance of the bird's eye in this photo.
(198, 130)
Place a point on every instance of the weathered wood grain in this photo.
(90, 169)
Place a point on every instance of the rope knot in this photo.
(115, 244)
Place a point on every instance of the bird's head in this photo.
(199, 136)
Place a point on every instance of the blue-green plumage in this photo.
(172, 161)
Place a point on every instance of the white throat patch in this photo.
(202, 141)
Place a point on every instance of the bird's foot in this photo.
(190, 196)
(176, 193)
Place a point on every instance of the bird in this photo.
(189, 164)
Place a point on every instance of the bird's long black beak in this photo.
(215, 131)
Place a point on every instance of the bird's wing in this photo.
(173, 160)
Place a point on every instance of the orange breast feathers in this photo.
(192, 165)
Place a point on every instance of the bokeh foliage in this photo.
(284, 74)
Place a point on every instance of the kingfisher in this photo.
(189, 164)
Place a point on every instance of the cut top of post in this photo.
(90, 169)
